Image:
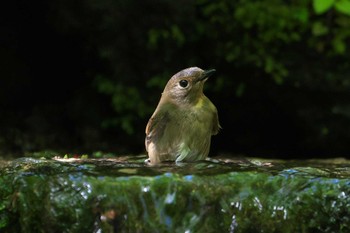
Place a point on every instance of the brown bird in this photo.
(181, 127)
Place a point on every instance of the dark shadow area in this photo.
(86, 76)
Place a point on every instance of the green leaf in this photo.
(339, 45)
(302, 15)
(278, 79)
(343, 6)
(321, 6)
(318, 29)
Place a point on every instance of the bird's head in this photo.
(186, 86)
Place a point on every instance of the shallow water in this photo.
(135, 165)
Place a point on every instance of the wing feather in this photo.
(216, 123)
(156, 127)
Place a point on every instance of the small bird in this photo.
(181, 127)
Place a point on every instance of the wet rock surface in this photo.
(219, 195)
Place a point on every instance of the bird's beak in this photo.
(206, 74)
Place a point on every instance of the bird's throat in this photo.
(199, 103)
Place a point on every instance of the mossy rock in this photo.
(223, 195)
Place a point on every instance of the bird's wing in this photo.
(216, 123)
(156, 127)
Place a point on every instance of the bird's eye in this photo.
(183, 83)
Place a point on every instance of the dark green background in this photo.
(84, 76)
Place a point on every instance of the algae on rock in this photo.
(212, 196)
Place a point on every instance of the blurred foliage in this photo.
(283, 66)
(322, 6)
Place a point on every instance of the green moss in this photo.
(80, 196)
